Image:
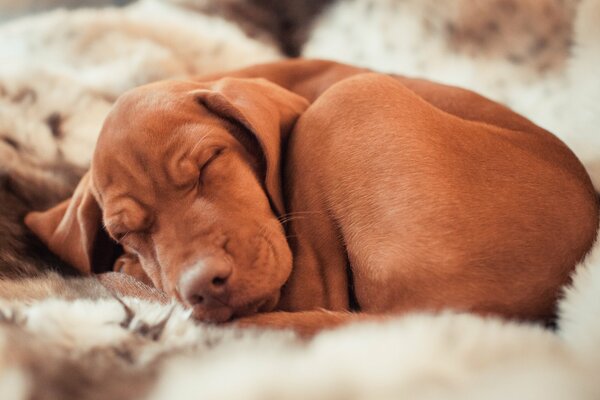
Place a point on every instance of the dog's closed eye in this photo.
(127, 237)
(126, 217)
(126, 234)
(120, 236)
(205, 161)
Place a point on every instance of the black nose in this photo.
(206, 282)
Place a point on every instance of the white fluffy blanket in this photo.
(75, 63)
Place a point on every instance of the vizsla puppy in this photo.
(396, 195)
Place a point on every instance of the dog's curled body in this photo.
(398, 194)
(428, 210)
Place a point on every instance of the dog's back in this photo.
(436, 210)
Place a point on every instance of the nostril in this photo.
(205, 282)
(218, 281)
(196, 299)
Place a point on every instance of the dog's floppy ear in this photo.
(265, 109)
(73, 231)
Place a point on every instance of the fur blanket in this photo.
(67, 338)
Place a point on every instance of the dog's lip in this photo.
(225, 313)
(219, 311)
(216, 315)
(264, 304)
(250, 309)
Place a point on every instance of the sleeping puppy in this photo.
(397, 195)
(180, 184)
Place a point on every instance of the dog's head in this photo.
(185, 180)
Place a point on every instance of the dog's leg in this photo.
(319, 277)
(305, 323)
(129, 264)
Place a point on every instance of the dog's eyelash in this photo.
(214, 156)
(120, 236)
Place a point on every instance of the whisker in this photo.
(297, 214)
(285, 220)
(302, 212)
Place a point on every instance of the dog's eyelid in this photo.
(214, 154)
(120, 230)
(120, 236)
(211, 156)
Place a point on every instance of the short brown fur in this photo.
(398, 194)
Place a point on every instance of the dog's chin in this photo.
(259, 306)
(226, 313)
(214, 315)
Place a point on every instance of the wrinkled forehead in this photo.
(148, 114)
(148, 130)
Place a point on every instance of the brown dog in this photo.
(398, 195)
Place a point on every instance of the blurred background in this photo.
(280, 18)
(12, 9)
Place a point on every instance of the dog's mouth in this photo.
(233, 300)
(225, 313)
(258, 306)
(215, 315)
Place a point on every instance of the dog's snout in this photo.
(206, 282)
